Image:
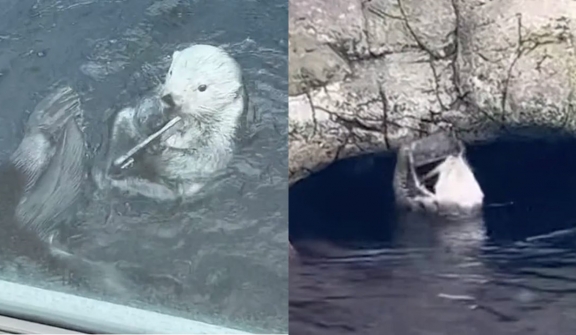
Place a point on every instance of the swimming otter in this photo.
(433, 175)
(205, 92)
(41, 183)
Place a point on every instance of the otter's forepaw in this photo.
(155, 148)
(117, 172)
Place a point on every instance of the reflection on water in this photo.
(220, 260)
(364, 269)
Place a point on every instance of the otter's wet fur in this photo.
(432, 175)
(204, 87)
(41, 184)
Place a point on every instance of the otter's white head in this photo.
(205, 83)
(432, 174)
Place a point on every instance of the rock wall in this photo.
(366, 75)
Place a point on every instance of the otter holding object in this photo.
(433, 175)
(439, 198)
(198, 109)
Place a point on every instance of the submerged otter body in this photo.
(41, 184)
(204, 89)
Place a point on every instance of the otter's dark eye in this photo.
(202, 88)
(170, 72)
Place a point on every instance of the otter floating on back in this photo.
(432, 175)
(204, 89)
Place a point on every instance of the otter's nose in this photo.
(168, 100)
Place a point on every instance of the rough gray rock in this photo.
(367, 75)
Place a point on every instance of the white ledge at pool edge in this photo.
(100, 316)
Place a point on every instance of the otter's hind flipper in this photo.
(42, 181)
(42, 130)
(58, 187)
(52, 112)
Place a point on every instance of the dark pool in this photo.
(221, 260)
(362, 270)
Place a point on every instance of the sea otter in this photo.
(438, 198)
(433, 175)
(204, 98)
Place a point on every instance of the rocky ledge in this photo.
(366, 75)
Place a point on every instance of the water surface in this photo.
(220, 260)
(362, 269)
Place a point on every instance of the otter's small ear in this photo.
(175, 55)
